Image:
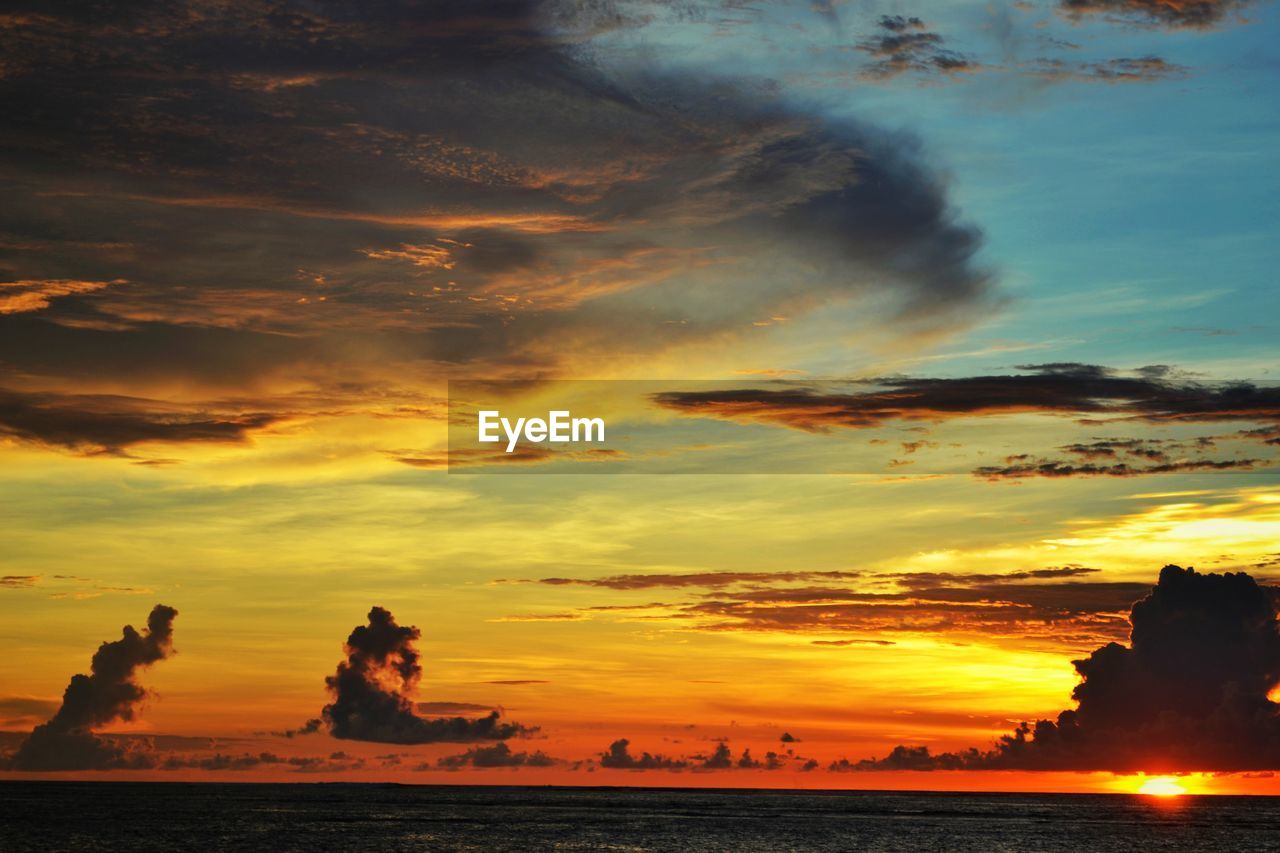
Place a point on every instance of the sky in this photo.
(928, 334)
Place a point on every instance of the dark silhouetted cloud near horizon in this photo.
(373, 692)
(1189, 692)
(108, 693)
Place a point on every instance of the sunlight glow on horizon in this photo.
(1161, 786)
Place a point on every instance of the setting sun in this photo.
(1161, 786)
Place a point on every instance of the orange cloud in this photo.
(20, 297)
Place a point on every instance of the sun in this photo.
(1161, 786)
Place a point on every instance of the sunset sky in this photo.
(944, 326)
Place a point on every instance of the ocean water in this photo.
(272, 817)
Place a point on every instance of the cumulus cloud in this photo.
(110, 692)
(498, 755)
(373, 692)
(721, 758)
(1189, 692)
(619, 757)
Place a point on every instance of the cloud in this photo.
(1189, 692)
(17, 297)
(93, 424)
(619, 757)
(472, 457)
(1065, 389)
(518, 682)
(109, 693)
(1051, 468)
(1070, 612)
(25, 710)
(452, 707)
(1143, 448)
(1193, 14)
(905, 44)
(18, 581)
(1049, 605)
(1135, 69)
(1091, 394)
(310, 727)
(719, 759)
(498, 755)
(290, 208)
(253, 761)
(373, 692)
(698, 579)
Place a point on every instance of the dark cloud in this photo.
(857, 642)
(698, 579)
(1066, 389)
(373, 692)
(1074, 613)
(1089, 393)
(110, 424)
(1049, 605)
(253, 761)
(925, 580)
(1266, 435)
(719, 759)
(516, 682)
(1053, 468)
(270, 193)
(1189, 692)
(1196, 14)
(498, 755)
(18, 581)
(1136, 69)
(619, 757)
(1132, 69)
(452, 707)
(310, 727)
(108, 693)
(906, 44)
(1110, 448)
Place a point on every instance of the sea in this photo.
(283, 817)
